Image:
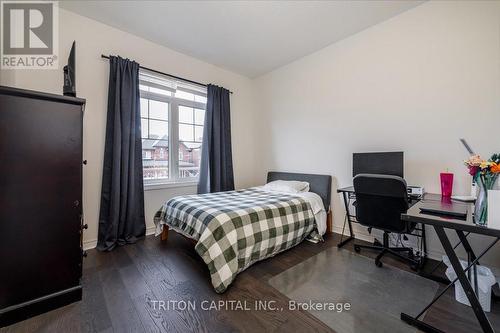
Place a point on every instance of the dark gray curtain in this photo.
(121, 217)
(216, 167)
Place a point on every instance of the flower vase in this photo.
(481, 206)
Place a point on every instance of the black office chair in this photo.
(380, 201)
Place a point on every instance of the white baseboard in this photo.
(361, 233)
(92, 243)
(150, 230)
(89, 244)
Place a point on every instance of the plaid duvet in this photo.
(238, 228)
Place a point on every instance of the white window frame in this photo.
(173, 136)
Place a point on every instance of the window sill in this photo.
(162, 186)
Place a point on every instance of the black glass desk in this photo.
(460, 226)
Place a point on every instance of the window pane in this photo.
(184, 95)
(201, 99)
(189, 159)
(199, 116)
(158, 110)
(155, 159)
(160, 91)
(198, 133)
(186, 132)
(144, 128)
(158, 129)
(185, 114)
(144, 107)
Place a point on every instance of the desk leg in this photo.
(349, 223)
(419, 324)
(455, 262)
(414, 321)
(424, 241)
(471, 256)
(432, 276)
(465, 244)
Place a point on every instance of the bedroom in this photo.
(311, 83)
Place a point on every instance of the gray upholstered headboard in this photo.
(319, 184)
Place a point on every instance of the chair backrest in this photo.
(380, 201)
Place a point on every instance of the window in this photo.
(146, 154)
(172, 118)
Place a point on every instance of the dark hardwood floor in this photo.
(120, 288)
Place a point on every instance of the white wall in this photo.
(415, 83)
(94, 39)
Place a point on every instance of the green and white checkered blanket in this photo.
(238, 228)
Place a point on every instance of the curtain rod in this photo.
(166, 74)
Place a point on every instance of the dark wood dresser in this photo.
(40, 202)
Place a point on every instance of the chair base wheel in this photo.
(357, 248)
(379, 263)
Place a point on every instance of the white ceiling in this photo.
(247, 37)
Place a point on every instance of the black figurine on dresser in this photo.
(40, 202)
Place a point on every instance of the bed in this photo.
(234, 229)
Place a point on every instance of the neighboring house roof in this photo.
(147, 144)
(155, 142)
(161, 142)
(192, 145)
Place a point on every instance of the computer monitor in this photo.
(386, 163)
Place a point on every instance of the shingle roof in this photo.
(192, 145)
(153, 142)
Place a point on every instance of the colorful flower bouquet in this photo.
(485, 174)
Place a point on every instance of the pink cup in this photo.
(446, 184)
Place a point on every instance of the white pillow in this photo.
(288, 186)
